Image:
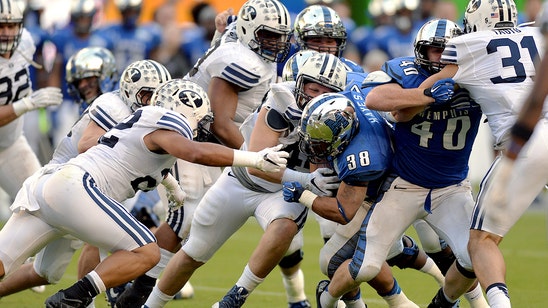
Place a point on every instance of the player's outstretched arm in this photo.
(211, 154)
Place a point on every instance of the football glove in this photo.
(322, 182)
(442, 91)
(49, 96)
(292, 191)
(267, 160)
(175, 194)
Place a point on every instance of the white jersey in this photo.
(497, 67)
(14, 85)
(121, 163)
(107, 110)
(234, 62)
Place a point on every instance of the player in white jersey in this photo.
(134, 155)
(518, 177)
(494, 60)
(17, 160)
(236, 73)
(91, 72)
(258, 194)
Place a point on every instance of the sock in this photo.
(432, 269)
(294, 287)
(396, 297)
(327, 300)
(143, 285)
(157, 298)
(249, 280)
(84, 288)
(355, 302)
(497, 295)
(165, 256)
(475, 298)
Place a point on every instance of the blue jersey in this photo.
(433, 148)
(67, 44)
(368, 155)
(128, 44)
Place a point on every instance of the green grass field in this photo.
(525, 249)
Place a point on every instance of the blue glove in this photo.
(292, 191)
(442, 91)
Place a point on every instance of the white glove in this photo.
(267, 160)
(175, 194)
(321, 182)
(50, 96)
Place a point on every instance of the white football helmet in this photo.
(141, 76)
(264, 26)
(91, 62)
(434, 33)
(320, 21)
(322, 68)
(487, 15)
(326, 127)
(10, 13)
(188, 99)
(294, 63)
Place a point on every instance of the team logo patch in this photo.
(249, 13)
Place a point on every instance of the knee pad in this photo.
(408, 255)
(443, 258)
(466, 273)
(292, 259)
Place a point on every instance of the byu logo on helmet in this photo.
(191, 99)
(134, 74)
(249, 13)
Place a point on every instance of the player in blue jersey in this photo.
(128, 40)
(354, 141)
(385, 224)
(432, 151)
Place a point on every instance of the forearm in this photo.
(7, 115)
(393, 97)
(228, 133)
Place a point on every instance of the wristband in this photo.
(427, 92)
(170, 182)
(244, 159)
(21, 106)
(521, 131)
(307, 198)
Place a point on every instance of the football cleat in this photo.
(112, 294)
(235, 298)
(322, 286)
(59, 300)
(439, 301)
(301, 304)
(186, 292)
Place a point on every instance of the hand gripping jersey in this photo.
(497, 67)
(15, 84)
(433, 148)
(106, 111)
(232, 61)
(121, 163)
(368, 154)
(283, 116)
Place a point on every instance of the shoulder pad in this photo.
(376, 78)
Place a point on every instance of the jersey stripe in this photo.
(118, 213)
(102, 118)
(240, 76)
(173, 122)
